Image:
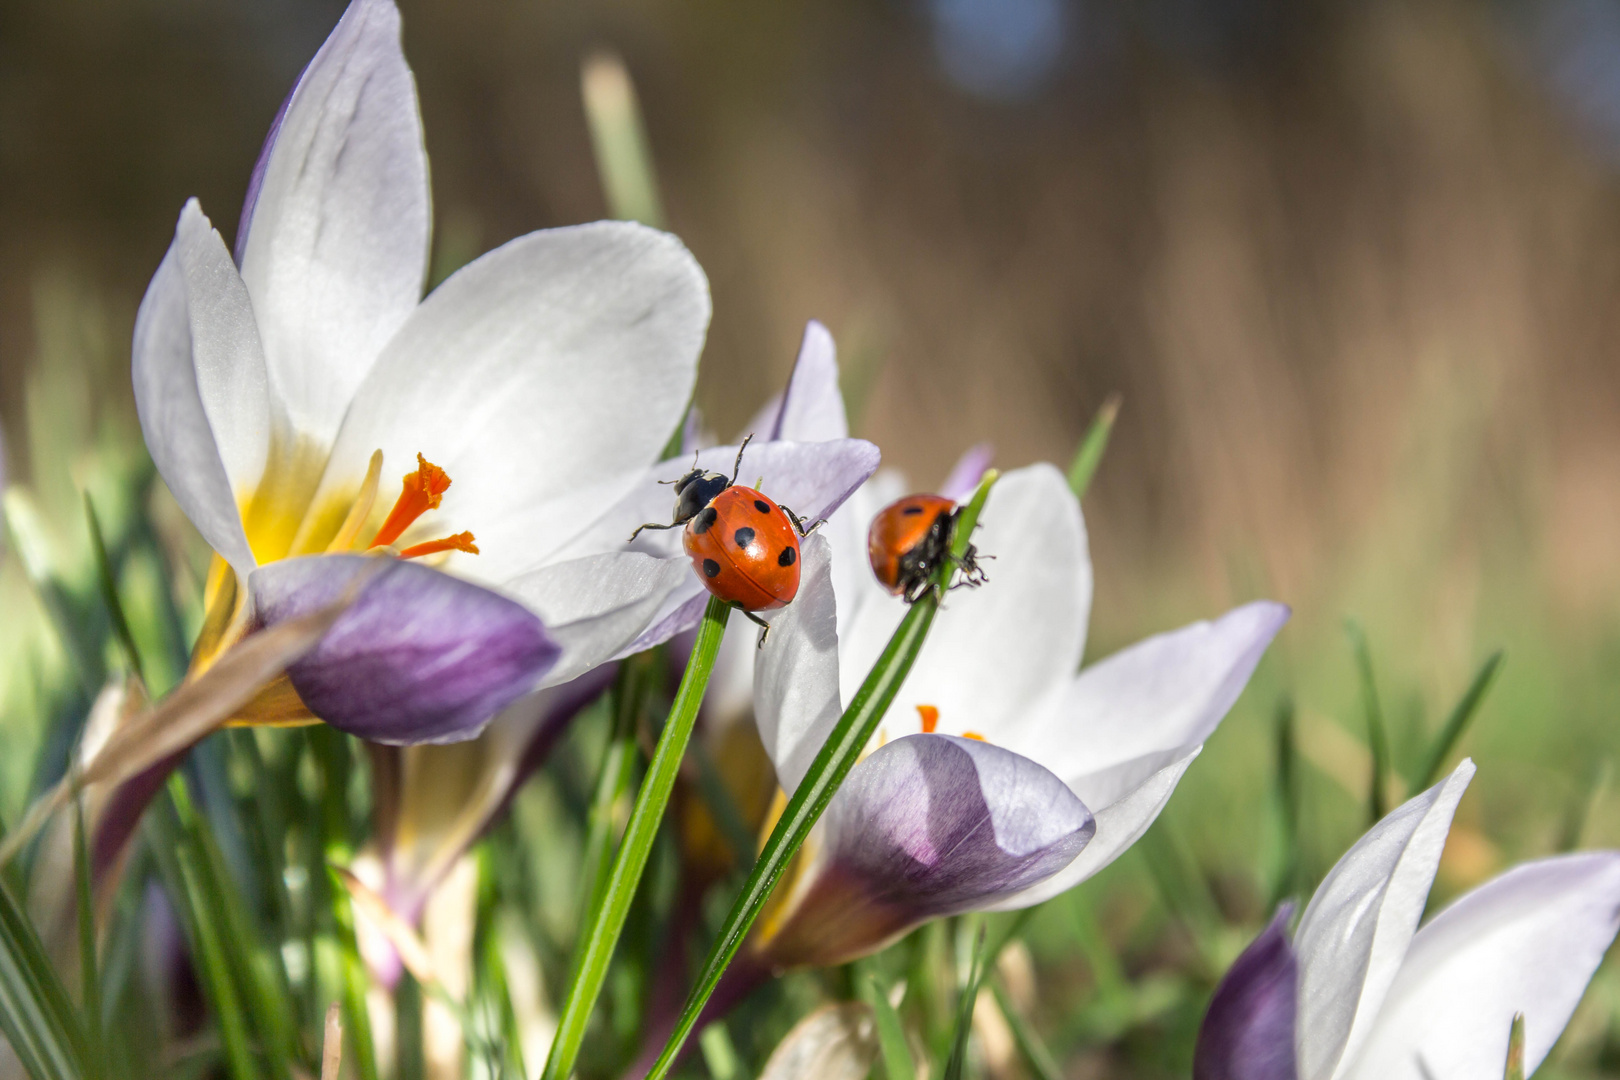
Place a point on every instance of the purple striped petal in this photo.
(1248, 1032)
(421, 657)
(929, 825)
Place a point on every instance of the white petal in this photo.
(1121, 822)
(544, 378)
(199, 382)
(995, 652)
(334, 235)
(1165, 693)
(594, 606)
(1526, 942)
(796, 673)
(1355, 933)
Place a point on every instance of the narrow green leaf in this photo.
(33, 544)
(1093, 444)
(109, 591)
(1287, 801)
(956, 1065)
(619, 140)
(897, 1062)
(1457, 723)
(355, 982)
(595, 948)
(1514, 1069)
(209, 939)
(631, 691)
(1377, 732)
(89, 971)
(36, 1014)
(719, 1054)
(832, 764)
(1029, 1041)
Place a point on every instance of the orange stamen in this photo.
(930, 718)
(462, 541)
(424, 489)
(974, 735)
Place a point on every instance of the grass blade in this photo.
(619, 140)
(1458, 721)
(1093, 444)
(956, 1065)
(1030, 1044)
(1514, 1068)
(1377, 732)
(89, 971)
(109, 592)
(832, 763)
(630, 695)
(355, 982)
(896, 1055)
(36, 1015)
(595, 949)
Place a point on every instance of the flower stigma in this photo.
(422, 491)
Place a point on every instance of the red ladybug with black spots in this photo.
(909, 539)
(743, 545)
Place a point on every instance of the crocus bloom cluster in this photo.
(283, 392)
(1002, 778)
(1359, 992)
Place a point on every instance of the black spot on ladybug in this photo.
(701, 523)
(911, 510)
(711, 568)
(744, 537)
(762, 506)
(788, 557)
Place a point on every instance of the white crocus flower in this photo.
(1002, 777)
(284, 393)
(1360, 993)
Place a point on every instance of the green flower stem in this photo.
(595, 948)
(832, 764)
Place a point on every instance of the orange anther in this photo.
(974, 735)
(462, 541)
(423, 490)
(930, 718)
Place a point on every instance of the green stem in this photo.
(595, 949)
(833, 762)
(613, 780)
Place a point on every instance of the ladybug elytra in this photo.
(743, 545)
(910, 538)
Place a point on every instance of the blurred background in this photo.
(1351, 266)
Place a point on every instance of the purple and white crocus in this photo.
(1358, 992)
(284, 392)
(1000, 776)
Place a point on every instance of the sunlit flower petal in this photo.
(796, 676)
(1525, 942)
(811, 409)
(420, 657)
(1356, 929)
(334, 237)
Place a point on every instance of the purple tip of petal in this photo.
(1248, 1032)
(421, 657)
(256, 180)
(968, 472)
(811, 408)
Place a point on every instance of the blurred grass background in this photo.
(1353, 267)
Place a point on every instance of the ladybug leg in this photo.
(764, 627)
(736, 466)
(798, 522)
(651, 525)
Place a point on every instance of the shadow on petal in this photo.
(1248, 1032)
(421, 657)
(929, 825)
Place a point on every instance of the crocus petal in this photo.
(199, 379)
(1165, 693)
(1131, 797)
(420, 657)
(812, 479)
(995, 652)
(1248, 1032)
(1526, 942)
(334, 235)
(796, 672)
(1358, 925)
(811, 409)
(595, 606)
(574, 351)
(929, 825)
(968, 471)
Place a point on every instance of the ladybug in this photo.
(909, 539)
(743, 545)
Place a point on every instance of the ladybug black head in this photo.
(696, 490)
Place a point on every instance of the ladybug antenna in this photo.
(678, 479)
(737, 466)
